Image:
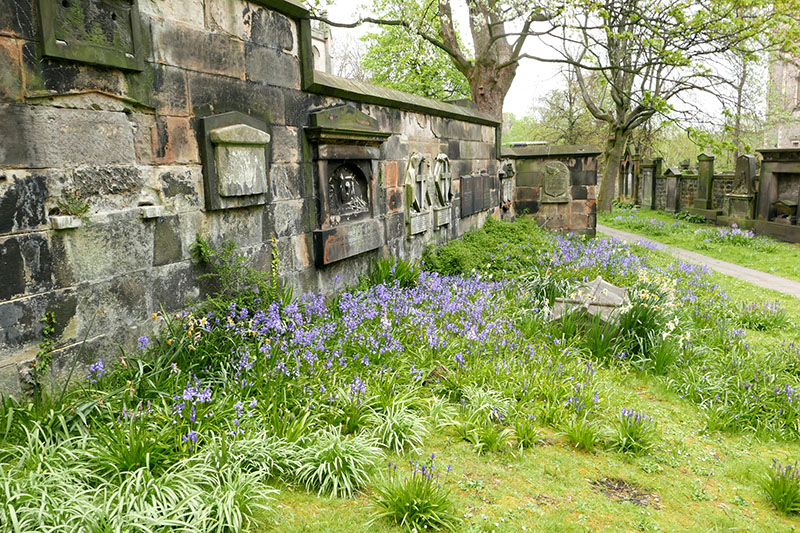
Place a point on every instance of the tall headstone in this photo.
(740, 202)
(704, 197)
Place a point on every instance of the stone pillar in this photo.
(704, 198)
(647, 181)
(636, 165)
(658, 169)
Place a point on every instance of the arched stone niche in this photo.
(346, 144)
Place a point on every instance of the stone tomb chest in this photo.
(346, 146)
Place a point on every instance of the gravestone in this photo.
(235, 154)
(346, 144)
(443, 197)
(673, 189)
(598, 298)
(740, 201)
(555, 183)
(418, 194)
(704, 198)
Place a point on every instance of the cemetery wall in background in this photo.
(192, 117)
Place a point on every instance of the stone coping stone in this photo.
(331, 85)
(549, 151)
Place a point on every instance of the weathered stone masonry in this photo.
(203, 117)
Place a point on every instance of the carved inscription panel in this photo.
(555, 184)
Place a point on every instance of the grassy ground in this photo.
(695, 480)
(196, 430)
(781, 259)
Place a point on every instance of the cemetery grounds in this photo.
(442, 397)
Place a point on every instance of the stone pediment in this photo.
(345, 125)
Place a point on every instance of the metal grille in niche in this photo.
(347, 192)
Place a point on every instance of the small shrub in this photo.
(688, 216)
(72, 204)
(336, 464)
(762, 316)
(782, 487)
(391, 270)
(416, 500)
(526, 432)
(633, 432)
(582, 433)
(398, 428)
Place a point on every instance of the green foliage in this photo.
(235, 280)
(633, 432)
(782, 487)
(688, 216)
(392, 270)
(335, 464)
(582, 432)
(398, 428)
(72, 204)
(41, 364)
(402, 60)
(416, 501)
(762, 316)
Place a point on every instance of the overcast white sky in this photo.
(533, 80)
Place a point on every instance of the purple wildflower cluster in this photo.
(96, 371)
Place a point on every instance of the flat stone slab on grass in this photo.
(599, 297)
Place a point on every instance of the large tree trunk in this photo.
(489, 89)
(615, 148)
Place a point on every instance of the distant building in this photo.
(321, 47)
(783, 129)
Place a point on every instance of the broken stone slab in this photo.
(598, 298)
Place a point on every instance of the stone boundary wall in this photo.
(557, 185)
(722, 185)
(126, 133)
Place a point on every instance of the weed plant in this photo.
(416, 499)
(782, 487)
(633, 432)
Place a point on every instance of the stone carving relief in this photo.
(443, 183)
(347, 192)
(419, 193)
(346, 146)
(555, 185)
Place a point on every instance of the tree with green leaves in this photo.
(403, 60)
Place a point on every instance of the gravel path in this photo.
(756, 277)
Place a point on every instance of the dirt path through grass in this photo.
(756, 277)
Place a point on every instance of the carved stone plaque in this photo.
(443, 199)
(101, 32)
(347, 194)
(240, 159)
(419, 194)
(235, 155)
(555, 184)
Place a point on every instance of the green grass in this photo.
(495, 401)
(783, 261)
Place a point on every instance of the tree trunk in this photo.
(615, 148)
(489, 88)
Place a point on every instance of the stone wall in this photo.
(661, 193)
(688, 187)
(134, 135)
(722, 186)
(557, 184)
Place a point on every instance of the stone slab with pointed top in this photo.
(598, 298)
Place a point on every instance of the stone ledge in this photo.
(330, 85)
